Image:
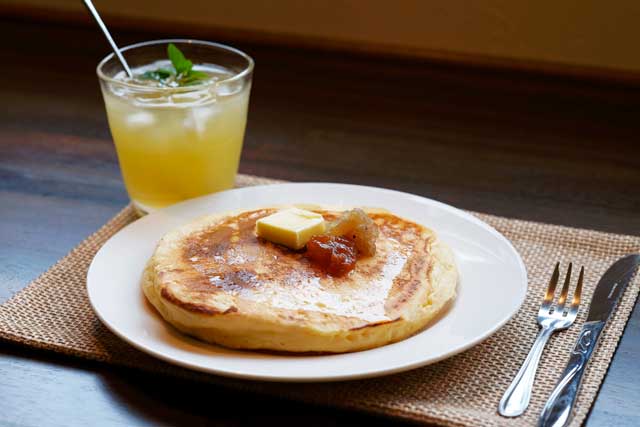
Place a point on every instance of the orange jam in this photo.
(336, 255)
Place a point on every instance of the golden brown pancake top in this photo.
(228, 258)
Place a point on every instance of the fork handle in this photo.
(557, 411)
(517, 397)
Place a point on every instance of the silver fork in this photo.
(550, 318)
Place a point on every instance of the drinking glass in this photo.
(175, 143)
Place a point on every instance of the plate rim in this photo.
(314, 378)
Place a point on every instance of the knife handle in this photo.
(557, 411)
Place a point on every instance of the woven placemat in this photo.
(53, 313)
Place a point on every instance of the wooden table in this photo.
(514, 144)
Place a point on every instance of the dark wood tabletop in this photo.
(543, 148)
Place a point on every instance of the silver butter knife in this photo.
(557, 411)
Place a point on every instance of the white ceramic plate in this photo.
(492, 286)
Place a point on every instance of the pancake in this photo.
(215, 280)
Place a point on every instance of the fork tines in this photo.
(559, 308)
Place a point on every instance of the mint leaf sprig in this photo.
(160, 75)
(182, 74)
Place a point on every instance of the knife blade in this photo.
(557, 412)
(611, 286)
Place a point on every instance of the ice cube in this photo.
(197, 117)
(230, 87)
(198, 97)
(140, 119)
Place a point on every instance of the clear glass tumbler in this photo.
(175, 143)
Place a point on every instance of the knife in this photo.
(557, 411)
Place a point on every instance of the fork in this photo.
(551, 318)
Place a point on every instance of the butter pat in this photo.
(290, 227)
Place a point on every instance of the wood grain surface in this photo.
(541, 148)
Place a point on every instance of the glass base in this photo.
(141, 209)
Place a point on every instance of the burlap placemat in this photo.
(53, 313)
